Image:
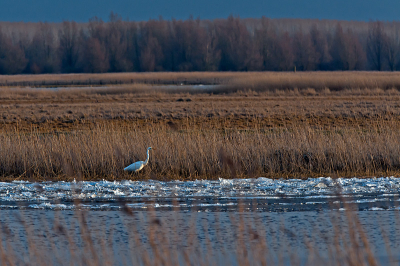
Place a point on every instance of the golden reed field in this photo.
(247, 124)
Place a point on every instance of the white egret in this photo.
(136, 167)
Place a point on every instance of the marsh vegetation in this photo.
(252, 124)
(276, 125)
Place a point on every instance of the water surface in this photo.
(288, 222)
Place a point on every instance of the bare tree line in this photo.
(231, 44)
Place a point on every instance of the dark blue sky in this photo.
(82, 10)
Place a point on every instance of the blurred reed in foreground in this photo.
(176, 237)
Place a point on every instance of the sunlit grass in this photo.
(103, 152)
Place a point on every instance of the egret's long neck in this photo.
(147, 159)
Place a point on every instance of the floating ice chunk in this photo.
(321, 185)
(157, 205)
(8, 207)
(376, 209)
(226, 181)
(27, 194)
(320, 196)
(47, 205)
(118, 192)
(20, 182)
(42, 198)
(366, 200)
(134, 205)
(264, 180)
(215, 204)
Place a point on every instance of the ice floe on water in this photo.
(106, 190)
(201, 193)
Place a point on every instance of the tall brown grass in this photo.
(192, 154)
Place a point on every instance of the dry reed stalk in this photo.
(262, 250)
(33, 252)
(91, 256)
(154, 233)
(60, 229)
(3, 256)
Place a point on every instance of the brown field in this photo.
(254, 124)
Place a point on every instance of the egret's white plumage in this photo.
(135, 167)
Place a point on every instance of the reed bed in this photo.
(103, 152)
